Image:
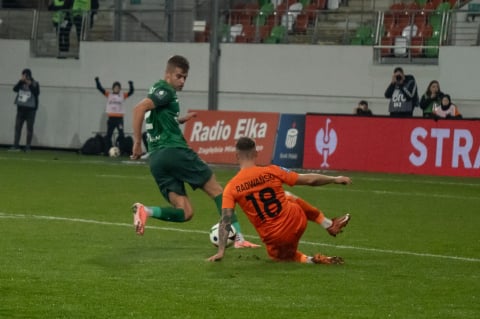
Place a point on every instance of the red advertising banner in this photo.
(383, 144)
(213, 134)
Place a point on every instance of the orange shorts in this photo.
(283, 244)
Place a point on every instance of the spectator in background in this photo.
(79, 9)
(403, 95)
(61, 22)
(114, 109)
(28, 91)
(433, 96)
(447, 109)
(362, 109)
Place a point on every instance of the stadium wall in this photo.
(269, 78)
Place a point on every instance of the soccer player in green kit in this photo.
(172, 162)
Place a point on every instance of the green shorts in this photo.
(173, 167)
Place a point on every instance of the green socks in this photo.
(168, 214)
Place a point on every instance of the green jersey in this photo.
(163, 129)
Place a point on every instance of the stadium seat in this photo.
(421, 3)
(412, 7)
(386, 41)
(236, 12)
(435, 20)
(248, 34)
(304, 2)
(425, 31)
(272, 20)
(403, 19)
(264, 32)
(388, 20)
(394, 31)
(311, 11)
(281, 9)
(363, 35)
(301, 24)
(432, 51)
(200, 30)
(416, 51)
(400, 48)
(243, 19)
(443, 7)
(277, 35)
(410, 31)
(251, 9)
(260, 20)
(429, 6)
(399, 6)
(267, 9)
(420, 19)
(235, 30)
(436, 3)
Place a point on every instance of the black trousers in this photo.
(63, 32)
(24, 115)
(112, 124)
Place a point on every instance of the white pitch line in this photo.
(377, 250)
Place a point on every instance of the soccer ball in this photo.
(114, 152)
(214, 235)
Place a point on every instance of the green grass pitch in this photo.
(68, 248)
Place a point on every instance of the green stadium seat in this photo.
(304, 3)
(435, 20)
(432, 52)
(277, 35)
(443, 7)
(421, 3)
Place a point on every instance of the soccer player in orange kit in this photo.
(279, 217)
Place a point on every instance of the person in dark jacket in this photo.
(26, 100)
(431, 98)
(362, 109)
(403, 94)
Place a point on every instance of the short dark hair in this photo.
(178, 61)
(363, 102)
(116, 83)
(245, 144)
(398, 69)
(27, 73)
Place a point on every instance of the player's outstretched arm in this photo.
(223, 231)
(99, 85)
(320, 179)
(187, 117)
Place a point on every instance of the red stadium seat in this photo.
(403, 19)
(394, 31)
(386, 41)
(416, 52)
(301, 24)
(425, 31)
(420, 19)
(388, 20)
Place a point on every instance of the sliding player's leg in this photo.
(333, 226)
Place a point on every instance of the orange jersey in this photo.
(259, 192)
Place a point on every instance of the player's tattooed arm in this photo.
(223, 231)
(225, 226)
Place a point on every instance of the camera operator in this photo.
(26, 100)
(402, 93)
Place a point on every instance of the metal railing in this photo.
(328, 27)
